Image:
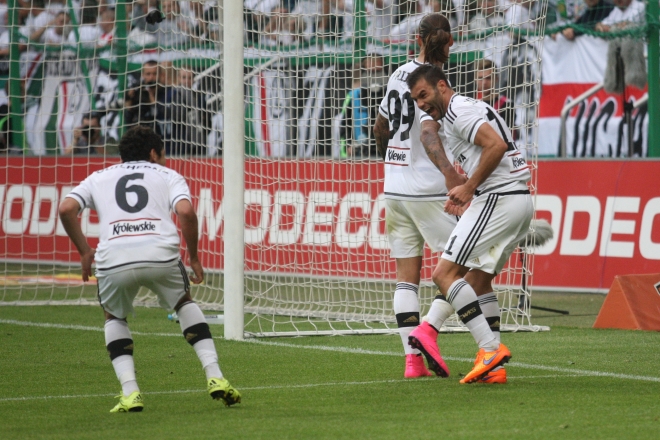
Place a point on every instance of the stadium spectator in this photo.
(406, 29)
(55, 31)
(143, 222)
(256, 14)
(519, 15)
(43, 17)
(107, 104)
(326, 18)
(283, 29)
(140, 98)
(138, 11)
(5, 40)
(627, 13)
(482, 15)
(187, 122)
(96, 34)
(380, 15)
(3, 15)
(597, 11)
(358, 113)
(200, 15)
(5, 130)
(486, 81)
(175, 29)
(88, 138)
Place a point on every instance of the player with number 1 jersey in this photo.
(415, 188)
(497, 219)
(462, 121)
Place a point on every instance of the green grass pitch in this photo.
(571, 382)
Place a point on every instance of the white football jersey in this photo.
(409, 173)
(461, 123)
(134, 201)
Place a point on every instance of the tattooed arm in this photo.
(382, 134)
(436, 153)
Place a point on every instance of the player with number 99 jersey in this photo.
(136, 228)
(409, 173)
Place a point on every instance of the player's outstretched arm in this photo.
(188, 221)
(382, 134)
(493, 148)
(69, 209)
(436, 152)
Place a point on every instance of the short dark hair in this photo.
(137, 143)
(432, 74)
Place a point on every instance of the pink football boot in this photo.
(424, 338)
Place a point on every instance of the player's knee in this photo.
(120, 347)
(442, 278)
(197, 332)
(436, 276)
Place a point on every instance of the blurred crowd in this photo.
(174, 98)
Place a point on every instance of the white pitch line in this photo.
(450, 358)
(573, 371)
(265, 387)
(269, 387)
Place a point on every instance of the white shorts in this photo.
(489, 231)
(117, 291)
(410, 224)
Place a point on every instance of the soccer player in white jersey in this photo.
(139, 246)
(415, 188)
(497, 218)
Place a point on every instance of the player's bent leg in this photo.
(196, 331)
(464, 300)
(482, 283)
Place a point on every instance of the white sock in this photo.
(491, 310)
(406, 309)
(191, 317)
(125, 369)
(116, 330)
(439, 312)
(464, 300)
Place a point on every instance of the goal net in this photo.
(79, 73)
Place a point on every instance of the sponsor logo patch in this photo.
(411, 319)
(463, 316)
(128, 228)
(398, 156)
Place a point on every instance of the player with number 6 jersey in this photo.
(415, 187)
(133, 201)
(139, 247)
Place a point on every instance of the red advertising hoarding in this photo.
(325, 218)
